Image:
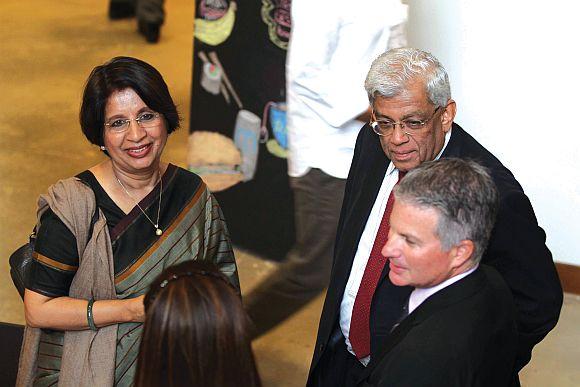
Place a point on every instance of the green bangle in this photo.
(90, 319)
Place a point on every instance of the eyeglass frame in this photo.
(127, 121)
(402, 123)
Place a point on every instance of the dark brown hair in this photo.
(195, 332)
(121, 73)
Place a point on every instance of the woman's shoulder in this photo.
(73, 188)
(183, 176)
(86, 176)
(73, 185)
(80, 185)
(184, 188)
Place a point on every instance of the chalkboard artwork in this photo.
(241, 100)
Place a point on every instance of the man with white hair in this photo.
(411, 123)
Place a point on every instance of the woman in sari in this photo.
(104, 235)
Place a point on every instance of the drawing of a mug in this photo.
(278, 123)
(275, 113)
(246, 138)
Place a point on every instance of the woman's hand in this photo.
(136, 309)
(66, 313)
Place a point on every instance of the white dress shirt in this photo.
(332, 46)
(365, 246)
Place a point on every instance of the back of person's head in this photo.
(464, 195)
(195, 331)
(393, 70)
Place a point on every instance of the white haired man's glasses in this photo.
(386, 128)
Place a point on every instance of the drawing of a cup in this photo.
(278, 123)
(246, 138)
(211, 78)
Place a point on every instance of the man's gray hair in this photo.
(391, 72)
(463, 194)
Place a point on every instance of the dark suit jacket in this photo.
(464, 335)
(517, 249)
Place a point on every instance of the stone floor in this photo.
(47, 49)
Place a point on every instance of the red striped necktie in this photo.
(359, 334)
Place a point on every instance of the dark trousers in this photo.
(305, 273)
(337, 367)
(149, 11)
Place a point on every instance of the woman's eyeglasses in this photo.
(144, 120)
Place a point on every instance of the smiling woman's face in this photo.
(408, 151)
(136, 149)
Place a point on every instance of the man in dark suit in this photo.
(460, 329)
(412, 113)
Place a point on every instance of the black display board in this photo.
(247, 42)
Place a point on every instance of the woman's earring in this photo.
(103, 148)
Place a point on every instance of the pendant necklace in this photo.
(158, 231)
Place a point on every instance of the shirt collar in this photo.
(419, 295)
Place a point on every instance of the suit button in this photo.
(321, 347)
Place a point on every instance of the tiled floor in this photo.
(47, 50)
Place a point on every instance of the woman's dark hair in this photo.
(118, 74)
(195, 332)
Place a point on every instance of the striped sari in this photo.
(193, 228)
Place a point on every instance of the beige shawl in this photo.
(88, 357)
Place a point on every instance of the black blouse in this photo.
(57, 259)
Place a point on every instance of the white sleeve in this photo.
(362, 34)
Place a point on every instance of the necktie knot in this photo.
(401, 175)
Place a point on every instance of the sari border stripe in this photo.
(186, 250)
(169, 264)
(47, 369)
(154, 265)
(52, 263)
(160, 260)
(131, 269)
(127, 368)
(127, 353)
(49, 355)
(49, 343)
(128, 332)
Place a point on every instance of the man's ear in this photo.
(462, 253)
(448, 115)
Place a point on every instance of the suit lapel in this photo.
(453, 148)
(398, 334)
(452, 294)
(367, 186)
